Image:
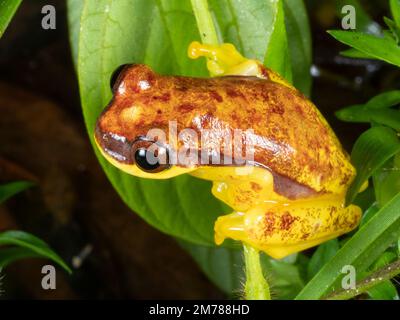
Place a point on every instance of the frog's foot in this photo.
(283, 229)
(224, 60)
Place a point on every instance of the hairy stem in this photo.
(256, 287)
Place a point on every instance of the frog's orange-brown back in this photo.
(291, 138)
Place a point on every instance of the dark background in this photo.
(73, 206)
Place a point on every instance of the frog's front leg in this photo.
(225, 60)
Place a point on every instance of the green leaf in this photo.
(387, 180)
(285, 278)
(321, 256)
(384, 49)
(372, 110)
(10, 255)
(384, 100)
(7, 11)
(394, 29)
(10, 189)
(223, 266)
(246, 24)
(354, 53)
(277, 57)
(30, 243)
(364, 20)
(367, 244)
(299, 42)
(369, 213)
(395, 9)
(372, 149)
(384, 291)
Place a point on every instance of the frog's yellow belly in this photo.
(271, 222)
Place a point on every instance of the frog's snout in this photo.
(113, 145)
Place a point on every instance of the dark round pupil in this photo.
(147, 162)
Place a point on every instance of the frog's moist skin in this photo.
(291, 199)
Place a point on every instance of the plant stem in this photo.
(205, 22)
(386, 273)
(256, 287)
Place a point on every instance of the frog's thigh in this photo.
(281, 230)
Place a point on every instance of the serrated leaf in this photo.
(10, 189)
(384, 49)
(30, 243)
(372, 149)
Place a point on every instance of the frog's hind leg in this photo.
(283, 229)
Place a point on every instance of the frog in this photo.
(288, 198)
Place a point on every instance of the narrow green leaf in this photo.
(364, 21)
(10, 255)
(321, 256)
(395, 9)
(356, 54)
(277, 57)
(384, 100)
(367, 244)
(30, 242)
(10, 189)
(387, 180)
(394, 29)
(247, 24)
(299, 44)
(372, 149)
(376, 47)
(7, 11)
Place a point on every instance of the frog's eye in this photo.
(151, 161)
(116, 74)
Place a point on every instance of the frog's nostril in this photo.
(115, 75)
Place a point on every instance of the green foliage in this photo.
(370, 152)
(360, 251)
(10, 189)
(7, 11)
(111, 33)
(23, 245)
(28, 246)
(105, 34)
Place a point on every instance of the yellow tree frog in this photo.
(289, 198)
